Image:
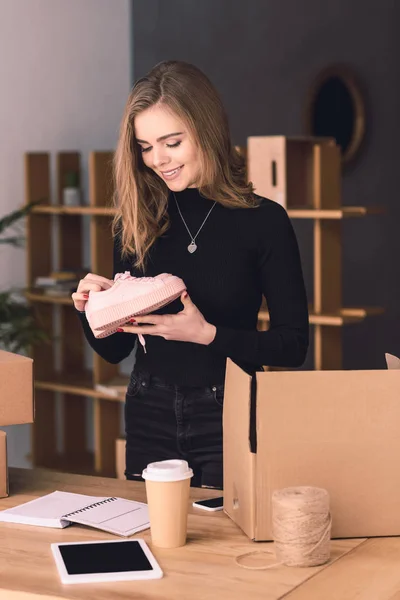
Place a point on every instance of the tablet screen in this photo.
(104, 558)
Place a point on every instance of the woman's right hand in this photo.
(90, 282)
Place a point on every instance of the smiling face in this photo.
(168, 148)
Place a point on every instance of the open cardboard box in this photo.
(3, 465)
(16, 389)
(339, 430)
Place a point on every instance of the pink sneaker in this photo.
(130, 296)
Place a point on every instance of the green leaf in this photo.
(16, 215)
(19, 328)
(16, 241)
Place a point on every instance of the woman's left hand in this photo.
(189, 325)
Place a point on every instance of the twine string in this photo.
(301, 526)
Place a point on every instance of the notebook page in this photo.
(116, 515)
(47, 510)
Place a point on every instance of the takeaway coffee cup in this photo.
(167, 489)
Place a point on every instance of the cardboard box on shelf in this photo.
(16, 389)
(282, 168)
(3, 465)
(338, 430)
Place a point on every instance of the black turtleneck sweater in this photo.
(242, 254)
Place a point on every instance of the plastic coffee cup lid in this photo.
(168, 470)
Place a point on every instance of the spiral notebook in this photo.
(60, 509)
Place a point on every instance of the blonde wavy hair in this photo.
(141, 196)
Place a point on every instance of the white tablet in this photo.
(108, 560)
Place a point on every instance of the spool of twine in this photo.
(301, 526)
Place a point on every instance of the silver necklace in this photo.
(193, 246)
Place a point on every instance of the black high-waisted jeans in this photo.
(165, 421)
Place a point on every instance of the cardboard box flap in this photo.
(10, 357)
(239, 461)
(392, 361)
(3, 465)
(338, 430)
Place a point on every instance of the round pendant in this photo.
(192, 247)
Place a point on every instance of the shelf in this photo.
(82, 464)
(75, 210)
(37, 295)
(345, 212)
(80, 384)
(295, 213)
(346, 316)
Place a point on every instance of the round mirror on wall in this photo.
(335, 108)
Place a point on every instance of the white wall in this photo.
(64, 77)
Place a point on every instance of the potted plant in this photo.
(18, 327)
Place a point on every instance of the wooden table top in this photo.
(203, 569)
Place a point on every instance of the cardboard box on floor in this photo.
(339, 430)
(3, 465)
(16, 402)
(16, 389)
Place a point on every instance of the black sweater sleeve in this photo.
(117, 346)
(285, 343)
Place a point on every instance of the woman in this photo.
(184, 207)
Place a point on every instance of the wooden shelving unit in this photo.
(55, 241)
(304, 175)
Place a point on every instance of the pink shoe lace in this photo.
(142, 341)
(127, 276)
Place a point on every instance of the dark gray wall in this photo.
(262, 56)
